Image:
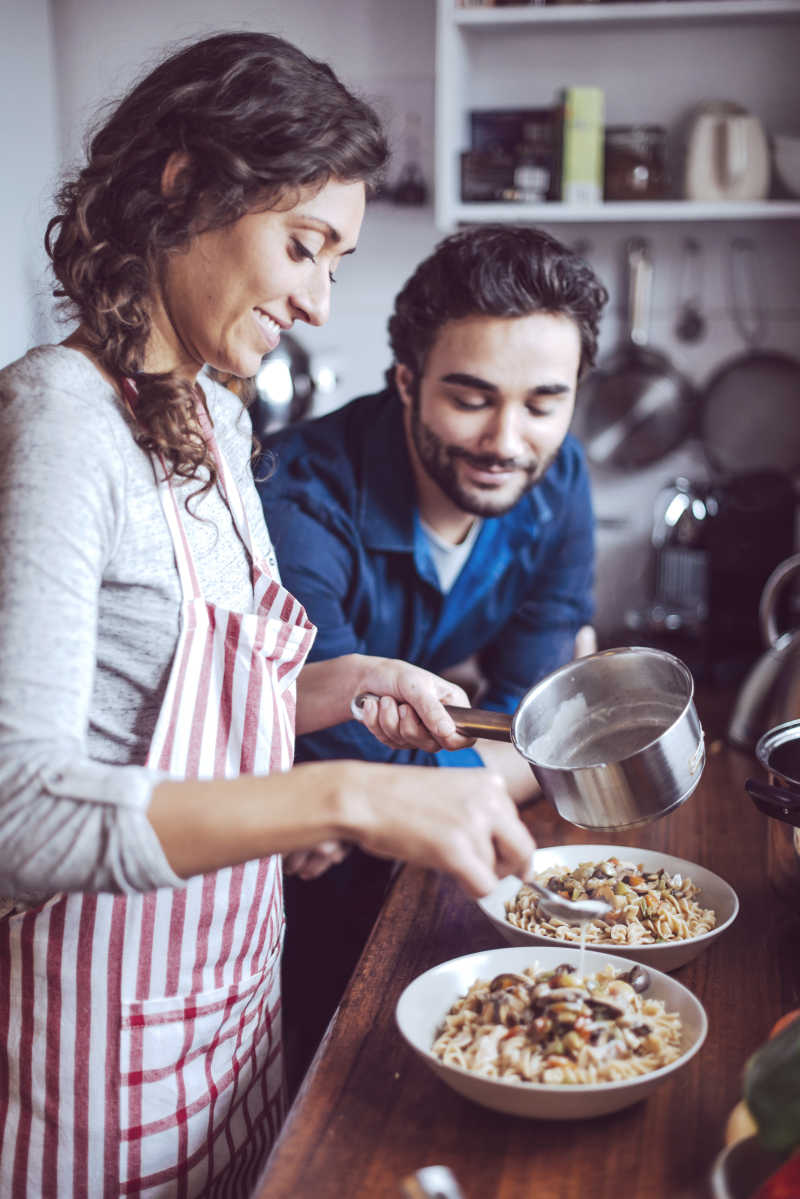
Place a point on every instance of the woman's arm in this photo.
(462, 821)
(69, 820)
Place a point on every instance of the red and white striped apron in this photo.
(143, 1031)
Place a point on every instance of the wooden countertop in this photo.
(370, 1113)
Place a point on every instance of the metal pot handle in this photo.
(640, 290)
(775, 801)
(470, 722)
(773, 588)
(479, 722)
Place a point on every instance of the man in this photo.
(448, 518)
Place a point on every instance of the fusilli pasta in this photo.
(648, 907)
(556, 1027)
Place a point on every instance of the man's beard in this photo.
(440, 460)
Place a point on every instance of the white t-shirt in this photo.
(449, 559)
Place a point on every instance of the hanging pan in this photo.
(636, 407)
(750, 409)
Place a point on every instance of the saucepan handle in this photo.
(470, 722)
(480, 722)
(775, 801)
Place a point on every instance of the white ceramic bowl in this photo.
(786, 153)
(425, 1002)
(715, 893)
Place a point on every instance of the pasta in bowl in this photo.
(472, 1020)
(665, 910)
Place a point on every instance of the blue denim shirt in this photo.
(340, 503)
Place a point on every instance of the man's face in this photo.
(491, 409)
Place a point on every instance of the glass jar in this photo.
(635, 163)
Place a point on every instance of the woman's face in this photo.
(226, 299)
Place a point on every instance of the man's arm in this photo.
(317, 558)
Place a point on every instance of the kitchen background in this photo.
(426, 66)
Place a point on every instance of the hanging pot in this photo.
(749, 414)
(636, 407)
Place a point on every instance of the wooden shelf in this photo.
(578, 41)
(648, 11)
(630, 211)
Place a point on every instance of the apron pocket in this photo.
(201, 1080)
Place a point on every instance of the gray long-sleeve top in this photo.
(89, 616)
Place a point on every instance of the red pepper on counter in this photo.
(784, 1183)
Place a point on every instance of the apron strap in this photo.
(228, 484)
(190, 584)
(230, 492)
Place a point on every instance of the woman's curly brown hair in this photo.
(257, 119)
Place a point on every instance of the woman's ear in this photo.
(404, 381)
(176, 165)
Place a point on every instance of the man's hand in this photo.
(404, 706)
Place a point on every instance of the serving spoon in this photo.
(572, 911)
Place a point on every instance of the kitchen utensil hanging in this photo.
(636, 407)
(750, 408)
(690, 326)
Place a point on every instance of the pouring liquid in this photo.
(580, 737)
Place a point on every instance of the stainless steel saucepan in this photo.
(613, 738)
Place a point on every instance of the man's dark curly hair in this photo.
(494, 270)
(258, 120)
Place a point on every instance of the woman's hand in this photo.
(462, 821)
(408, 714)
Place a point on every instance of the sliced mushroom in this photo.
(502, 982)
(638, 978)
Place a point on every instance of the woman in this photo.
(151, 660)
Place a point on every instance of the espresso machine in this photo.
(714, 546)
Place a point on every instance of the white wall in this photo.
(28, 142)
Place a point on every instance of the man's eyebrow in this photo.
(552, 389)
(464, 380)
